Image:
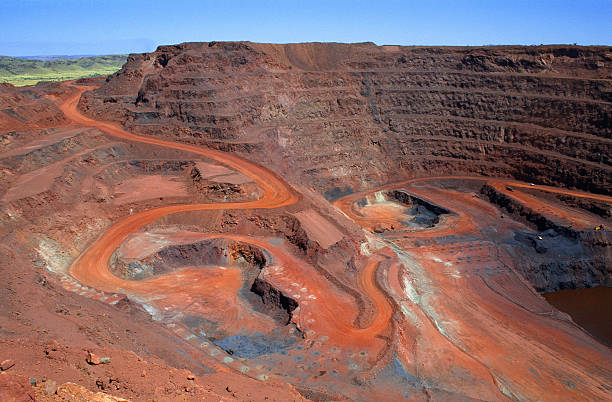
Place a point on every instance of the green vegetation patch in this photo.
(20, 72)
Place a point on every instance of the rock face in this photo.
(577, 258)
(354, 116)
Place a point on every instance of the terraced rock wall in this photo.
(353, 116)
(416, 289)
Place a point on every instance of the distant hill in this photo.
(56, 57)
(26, 71)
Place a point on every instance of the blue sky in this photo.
(51, 27)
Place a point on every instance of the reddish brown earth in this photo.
(313, 221)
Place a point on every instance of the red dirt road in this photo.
(466, 325)
(346, 204)
(92, 267)
(462, 295)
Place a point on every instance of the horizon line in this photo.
(82, 55)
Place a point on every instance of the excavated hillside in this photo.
(348, 117)
(310, 221)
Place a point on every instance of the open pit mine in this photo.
(233, 220)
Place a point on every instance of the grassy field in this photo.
(20, 72)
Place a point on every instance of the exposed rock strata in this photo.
(435, 310)
(368, 115)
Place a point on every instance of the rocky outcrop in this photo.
(275, 301)
(371, 114)
(214, 252)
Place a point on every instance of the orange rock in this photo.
(7, 364)
(71, 392)
(94, 359)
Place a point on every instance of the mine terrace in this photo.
(313, 221)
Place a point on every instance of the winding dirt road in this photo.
(348, 203)
(435, 314)
(464, 296)
(92, 267)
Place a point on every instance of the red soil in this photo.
(464, 330)
(299, 297)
